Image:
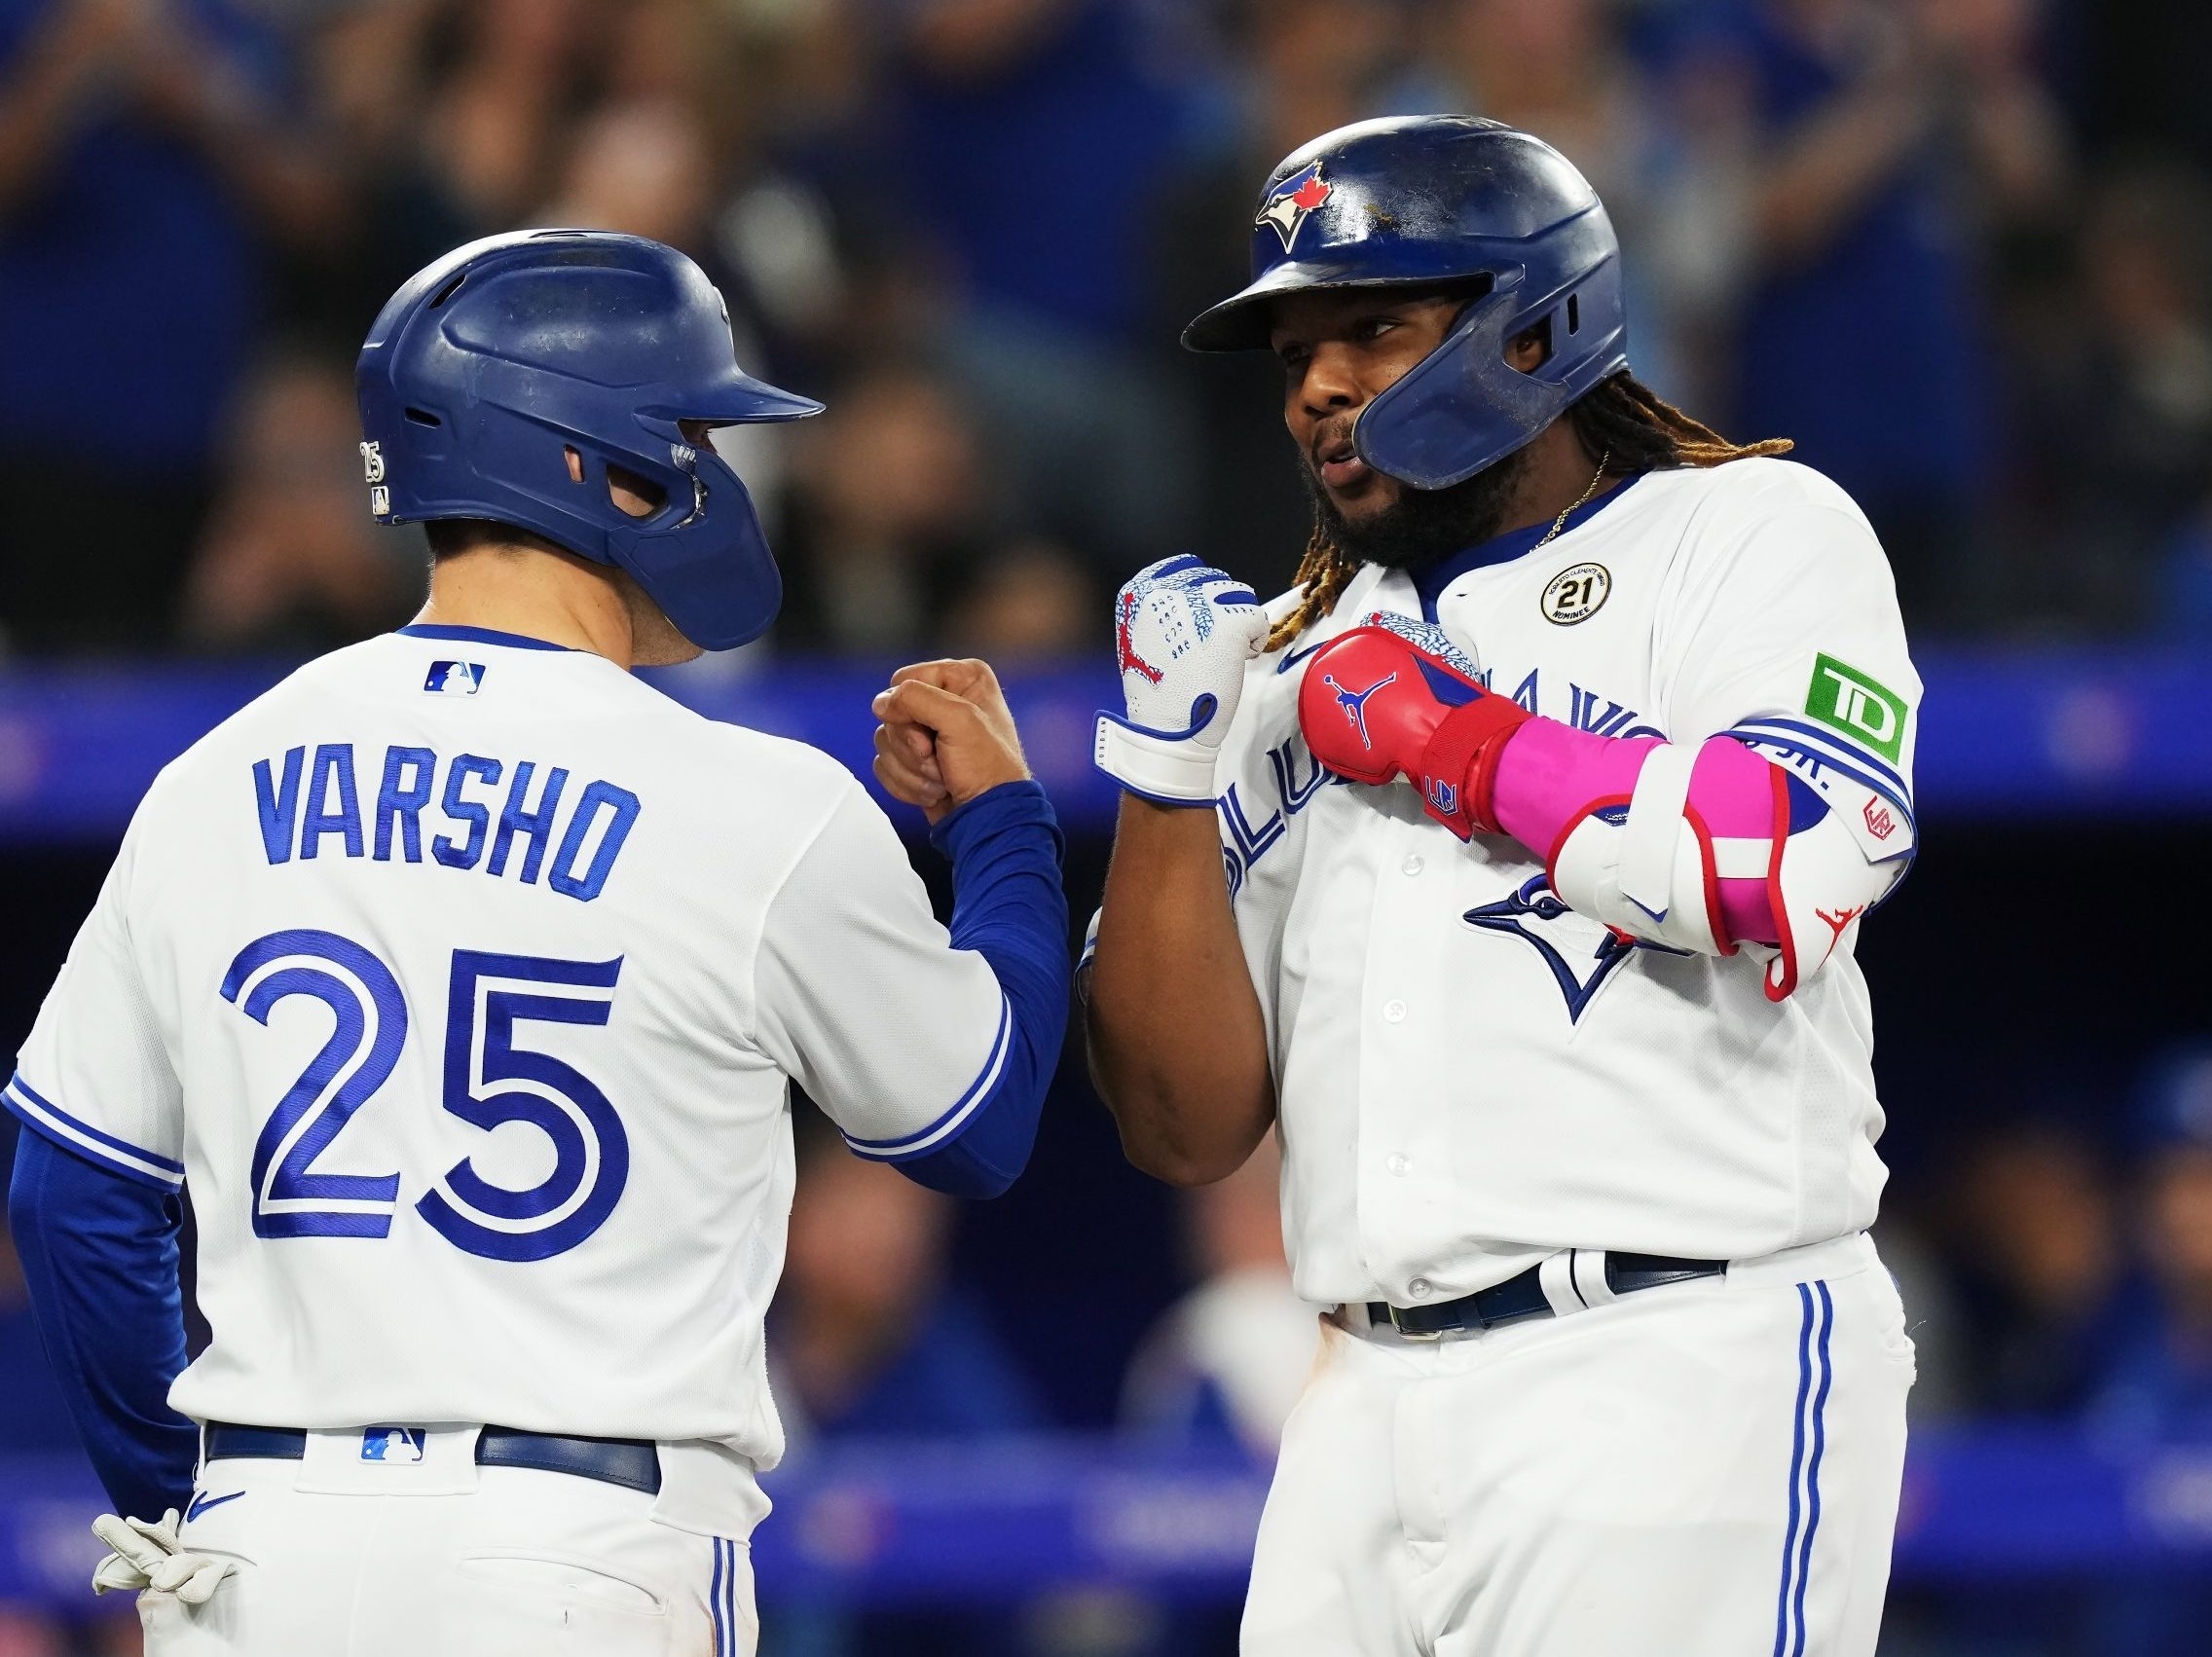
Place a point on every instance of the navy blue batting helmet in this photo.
(484, 367)
(1427, 200)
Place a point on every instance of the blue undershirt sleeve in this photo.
(100, 1257)
(1008, 906)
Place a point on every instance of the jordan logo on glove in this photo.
(1423, 715)
(1125, 646)
(1354, 704)
(1183, 634)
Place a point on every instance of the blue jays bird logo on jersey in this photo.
(1293, 201)
(1579, 977)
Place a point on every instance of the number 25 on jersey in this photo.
(490, 1079)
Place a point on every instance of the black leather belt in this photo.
(1523, 1297)
(633, 1463)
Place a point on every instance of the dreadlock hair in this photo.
(1620, 417)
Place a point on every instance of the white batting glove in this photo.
(1183, 632)
(147, 1555)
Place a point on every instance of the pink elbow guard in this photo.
(1700, 848)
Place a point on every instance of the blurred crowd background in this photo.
(1961, 250)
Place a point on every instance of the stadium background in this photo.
(1960, 249)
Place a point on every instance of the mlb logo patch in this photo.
(393, 1444)
(454, 678)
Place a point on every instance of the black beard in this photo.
(1422, 526)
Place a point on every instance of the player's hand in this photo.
(147, 1555)
(1398, 697)
(946, 737)
(1183, 632)
(905, 761)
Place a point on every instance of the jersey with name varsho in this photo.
(1469, 1075)
(460, 982)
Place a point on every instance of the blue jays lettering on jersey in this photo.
(1294, 778)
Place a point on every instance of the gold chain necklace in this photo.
(1596, 478)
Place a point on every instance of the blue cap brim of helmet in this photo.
(1242, 321)
(738, 399)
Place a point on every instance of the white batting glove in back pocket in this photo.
(1183, 632)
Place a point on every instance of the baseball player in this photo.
(1513, 865)
(459, 982)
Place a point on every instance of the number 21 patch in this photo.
(1860, 706)
(1576, 593)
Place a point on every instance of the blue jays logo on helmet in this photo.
(1292, 202)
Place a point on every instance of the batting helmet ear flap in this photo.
(730, 599)
(1464, 407)
(1417, 430)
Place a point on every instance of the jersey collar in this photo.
(480, 636)
(1504, 549)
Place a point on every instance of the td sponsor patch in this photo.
(1859, 704)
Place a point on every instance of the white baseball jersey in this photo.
(459, 979)
(1470, 1075)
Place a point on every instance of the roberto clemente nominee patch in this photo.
(1576, 593)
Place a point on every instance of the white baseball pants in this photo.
(507, 1562)
(1709, 1468)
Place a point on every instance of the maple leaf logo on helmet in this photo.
(1293, 201)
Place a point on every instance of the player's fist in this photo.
(1183, 632)
(1397, 697)
(946, 737)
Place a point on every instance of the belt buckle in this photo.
(1423, 1334)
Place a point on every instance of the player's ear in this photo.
(575, 463)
